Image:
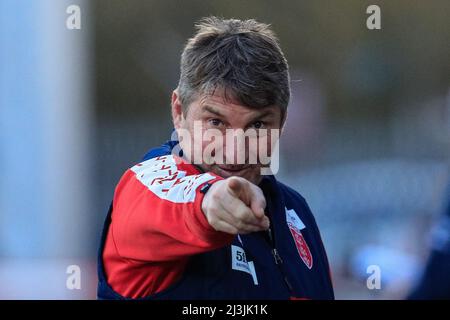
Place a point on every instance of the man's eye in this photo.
(258, 124)
(215, 122)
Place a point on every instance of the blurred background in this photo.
(367, 141)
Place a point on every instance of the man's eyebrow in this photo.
(212, 110)
(208, 108)
(263, 115)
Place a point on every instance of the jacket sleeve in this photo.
(157, 213)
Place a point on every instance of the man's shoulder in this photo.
(167, 164)
(294, 200)
(154, 162)
(291, 195)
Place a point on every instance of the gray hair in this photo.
(242, 57)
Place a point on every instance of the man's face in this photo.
(219, 123)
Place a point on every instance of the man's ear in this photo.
(177, 110)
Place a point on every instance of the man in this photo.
(190, 224)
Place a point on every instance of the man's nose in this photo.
(235, 146)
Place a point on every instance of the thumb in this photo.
(258, 204)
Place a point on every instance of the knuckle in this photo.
(239, 215)
(240, 224)
(246, 219)
(212, 220)
(216, 196)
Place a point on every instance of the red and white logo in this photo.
(295, 225)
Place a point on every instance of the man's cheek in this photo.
(262, 151)
(214, 148)
(208, 153)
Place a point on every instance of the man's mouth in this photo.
(232, 170)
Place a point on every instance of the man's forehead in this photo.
(219, 99)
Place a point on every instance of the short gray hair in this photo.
(242, 57)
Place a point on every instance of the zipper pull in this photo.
(276, 256)
(269, 233)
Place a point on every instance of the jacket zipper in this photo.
(277, 258)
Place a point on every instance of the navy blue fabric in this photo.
(435, 281)
(164, 149)
(211, 276)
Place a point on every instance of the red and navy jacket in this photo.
(157, 244)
